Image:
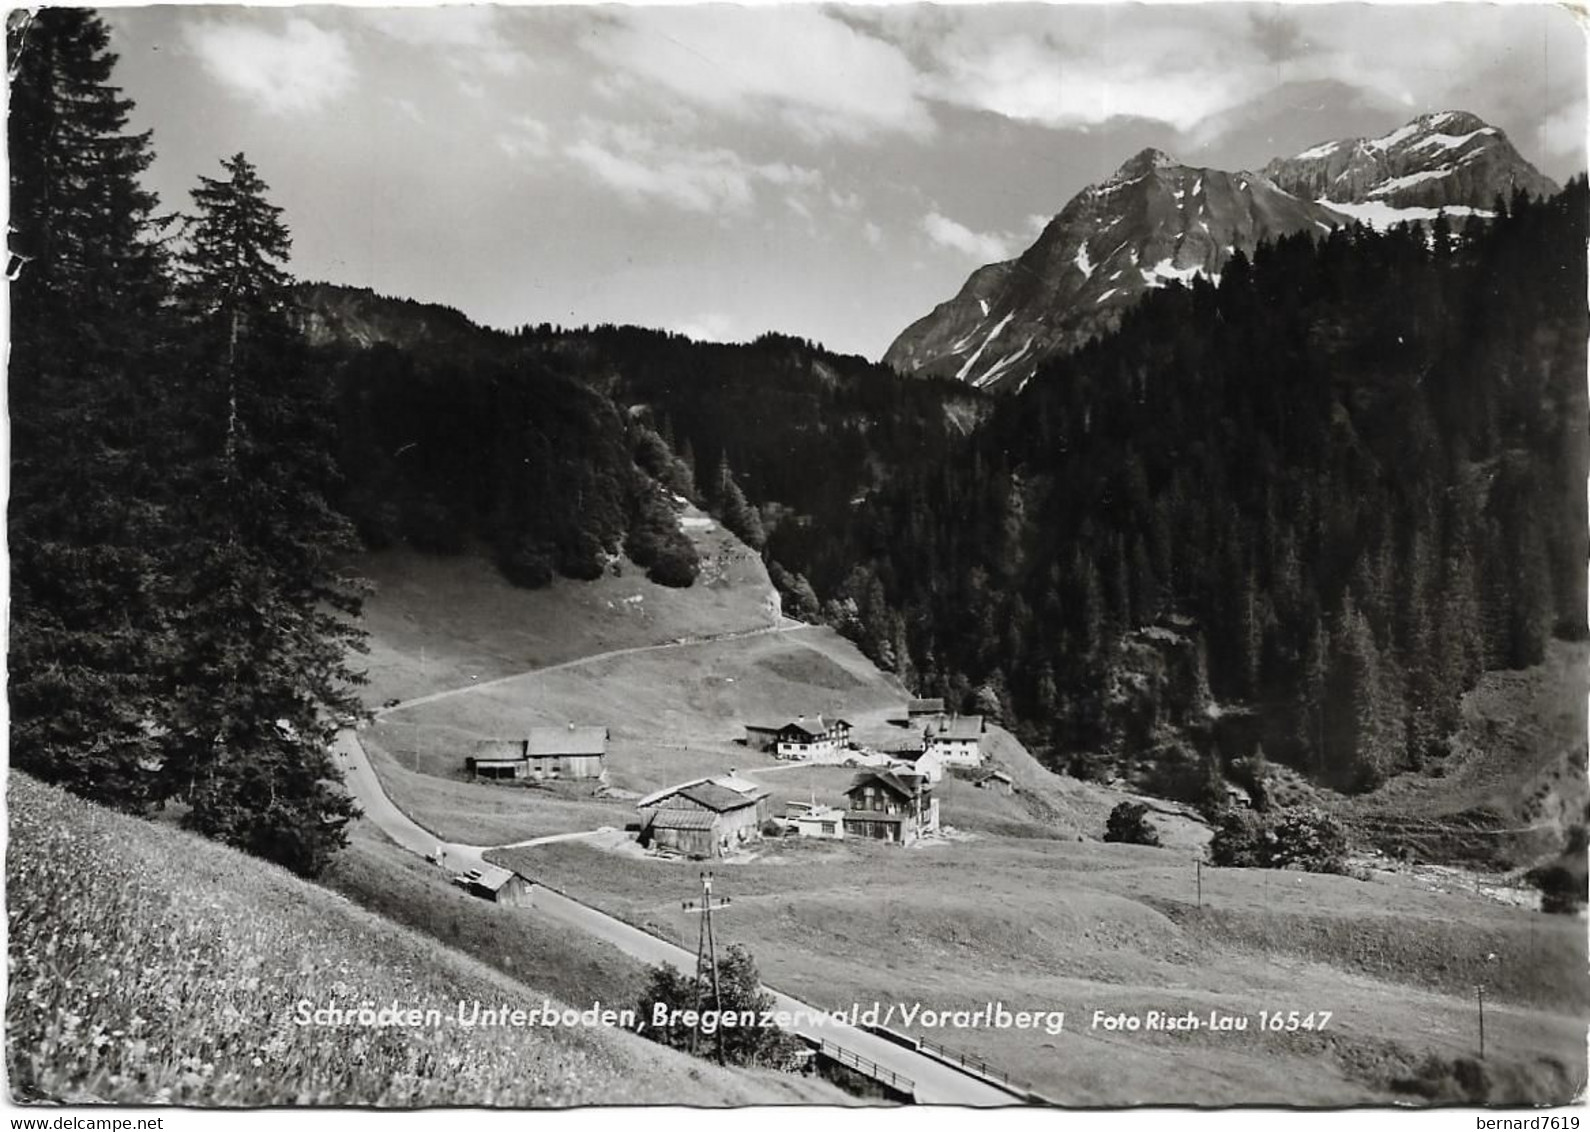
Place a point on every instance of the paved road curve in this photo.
(785, 625)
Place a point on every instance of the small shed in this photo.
(500, 886)
(996, 780)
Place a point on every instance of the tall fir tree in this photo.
(90, 635)
(267, 629)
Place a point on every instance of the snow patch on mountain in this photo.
(1003, 366)
(1083, 264)
(1166, 270)
(992, 334)
(1400, 134)
(1379, 215)
(1324, 150)
(1454, 141)
(1407, 179)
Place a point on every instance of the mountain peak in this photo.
(1145, 161)
(1443, 159)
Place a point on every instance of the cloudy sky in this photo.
(831, 172)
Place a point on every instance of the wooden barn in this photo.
(497, 759)
(706, 817)
(895, 806)
(566, 752)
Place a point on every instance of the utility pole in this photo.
(707, 958)
(1479, 995)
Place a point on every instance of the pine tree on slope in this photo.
(90, 638)
(267, 628)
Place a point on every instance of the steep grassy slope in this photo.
(147, 965)
(439, 622)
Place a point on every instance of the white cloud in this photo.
(470, 36)
(295, 70)
(639, 168)
(1562, 136)
(873, 233)
(818, 75)
(984, 247)
(1189, 66)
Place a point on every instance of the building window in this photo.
(828, 827)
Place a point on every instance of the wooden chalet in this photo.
(891, 805)
(804, 738)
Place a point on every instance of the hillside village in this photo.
(890, 798)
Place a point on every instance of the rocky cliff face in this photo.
(1152, 222)
(1155, 220)
(1448, 160)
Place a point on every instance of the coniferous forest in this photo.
(1353, 473)
(1332, 489)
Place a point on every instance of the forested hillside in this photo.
(1297, 512)
(1347, 480)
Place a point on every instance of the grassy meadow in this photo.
(1022, 903)
(148, 966)
(1053, 924)
(439, 622)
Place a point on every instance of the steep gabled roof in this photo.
(492, 878)
(498, 749)
(683, 819)
(886, 779)
(743, 789)
(719, 799)
(958, 727)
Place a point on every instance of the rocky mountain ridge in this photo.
(1155, 221)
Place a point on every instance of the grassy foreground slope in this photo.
(148, 966)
